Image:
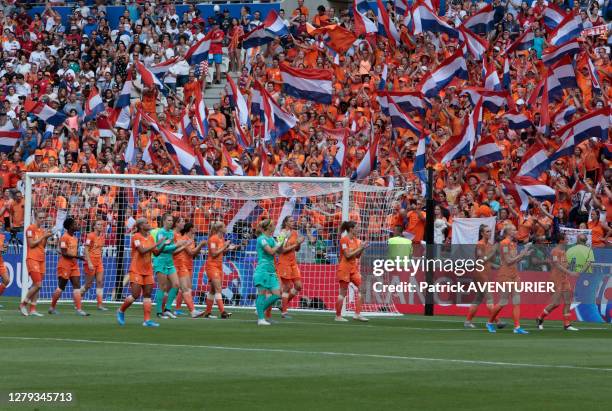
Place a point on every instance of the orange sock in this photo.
(32, 307)
(146, 305)
(544, 314)
(220, 305)
(56, 295)
(209, 304)
(292, 294)
(472, 312)
(2, 288)
(566, 320)
(339, 302)
(126, 304)
(516, 315)
(179, 301)
(495, 312)
(358, 304)
(76, 296)
(284, 303)
(186, 295)
(99, 296)
(269, 312)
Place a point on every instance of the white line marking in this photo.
(321, 353)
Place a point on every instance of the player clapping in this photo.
(183, 260)
(93, 266)
(351, 250)
(141, 271)
(559, 275)
(265, 279)
(37, 238)
(214, 268)
(287, 267)
(4, 277)
(68, 268)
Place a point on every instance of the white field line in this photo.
(314, 353)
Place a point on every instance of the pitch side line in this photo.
(321, 353)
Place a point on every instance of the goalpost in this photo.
(318, 205)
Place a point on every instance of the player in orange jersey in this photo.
(4, 277)
(286, 266)
(94, 242)
(484, 251)
(508, 274)
(36, 236)
(351, 249)
(214, 267)
(559, 275)
(143, 246)
(183, 261)
(68, 268)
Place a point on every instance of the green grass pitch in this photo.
(306, 363)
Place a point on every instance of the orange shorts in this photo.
(98, 267)
(36, 269)
(345, 274)
(142, 279)
(289, 272)
(214, 273)
(354, 278)
(183, 271)
(562, 285)
(68, 271)
(3, 268)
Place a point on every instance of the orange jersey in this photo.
(350, 245)
(288, 259)
(507, 250)
(141, 263)
(183, 259)
(2, 238)
(70, 245)
(215, 243)
(483, 248)
(94, 244)
(36, 253)
(558, 256)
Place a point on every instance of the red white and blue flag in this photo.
(272, 28)
(307, 84)
(424, 19)
(148, 78)
(461, 145)
(487, 151)
(535, 161)
(523, 187)
(363, 25)
(454, 66)
(368, 162)
(8, 139)
(517, 121)
(524, 42)
(198, 53)
(568, 29)
(482, 22)
(45, 113)
(201, 115)
(553, 16)
(238, 102)
(473, 44)
(553, 54)
(399, 119)
(94, 105)
(386, 26)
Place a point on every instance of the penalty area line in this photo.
(314, 353)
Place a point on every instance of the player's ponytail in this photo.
(264, 225)
(286, 221)
(347, 226)
(187, 227)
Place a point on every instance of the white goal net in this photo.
(317, 205)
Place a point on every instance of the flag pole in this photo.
(429, 240)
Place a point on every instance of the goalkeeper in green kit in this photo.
(164, 269)
(265, 279)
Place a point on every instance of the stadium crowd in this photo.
(44, 59)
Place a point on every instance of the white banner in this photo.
(465, 230)
(572, 233)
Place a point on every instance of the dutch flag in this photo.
(386, 26)
(368, 162)
(272, 27)
(522, 187)
(517, 121)
(552, 55)
(454, 66)
(487, 151)
(461, 145)
(199, 51)
(45, 113)
(307, 84)
(424, 20)
(8, 139)
(535, 161)
(482, 22)
(568, 29)
(93, 105)
(553, 16)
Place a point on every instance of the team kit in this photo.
(164, 257)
